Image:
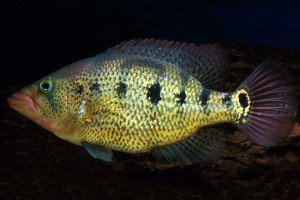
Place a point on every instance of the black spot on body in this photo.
(227, 98)
(121, 89)
(243, 100)
(181, 97)
(79, 89)
(154, 93)
(95, 86)
(204, 96)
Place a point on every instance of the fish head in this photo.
(42, 102)
(52, 101)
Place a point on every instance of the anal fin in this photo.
(205, 146)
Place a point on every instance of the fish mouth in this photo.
(21, 102)
(27, 106)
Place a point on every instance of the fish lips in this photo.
(22, 102)
(27, 106)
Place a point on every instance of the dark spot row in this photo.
(153, 93)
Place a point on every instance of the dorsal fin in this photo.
(207, 63)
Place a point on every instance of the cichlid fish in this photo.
(160, 97)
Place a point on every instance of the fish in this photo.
(160, 97)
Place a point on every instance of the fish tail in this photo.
(269, 101)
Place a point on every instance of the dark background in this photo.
(39, 37)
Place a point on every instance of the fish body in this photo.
(158, 96)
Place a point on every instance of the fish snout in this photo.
(20, 101)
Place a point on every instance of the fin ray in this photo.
(98, 152)
(273, 105)
(207, 63)
(207, 145)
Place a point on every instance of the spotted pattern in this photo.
(204, 96)
(121, 89)
(95, 87)
(243, 100)
(136, 98)
(227, 98)
(181, 97)
(161, 105)
(153, 93)
(79, 89)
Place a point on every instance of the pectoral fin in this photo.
(206, 146)
(98, 152)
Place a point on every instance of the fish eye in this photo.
(46, 86)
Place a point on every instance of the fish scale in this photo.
(159, 96)
(130, 118)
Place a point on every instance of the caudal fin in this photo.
(272, 105)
